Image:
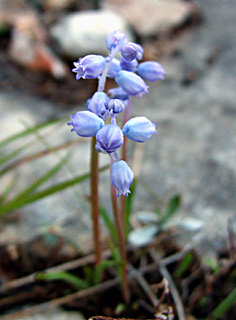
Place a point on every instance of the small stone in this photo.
(149, 17)
(84, 32)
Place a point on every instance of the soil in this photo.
(201, 287)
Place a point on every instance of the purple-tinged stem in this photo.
(95, 202)
(95, 175)
(121, 243)
(126, 116)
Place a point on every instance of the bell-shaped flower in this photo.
(89, 67)
(115, 105)
(115, 38)
(118, 93)
(129, 51)
(114, 67)
(139, 129)
(86, 123)
(131, 83)
(151, 71)
(128, 65)
(97, 103)
(109, 138)
(121, 177)
(139, 52)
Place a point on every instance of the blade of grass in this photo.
(11, 205)
(9, 188)
(43, 179)
(77, 282)
(100, 268)
(185, 263)
(224, 306)
(109, 224)
(129, 206)
(14, 153)
(29, 131)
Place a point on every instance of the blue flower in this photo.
(129, 51)
(89, 67)
(115, 38)
(121, 177)
(128, 65)
(109, 138)
(139, 52)
(97, 103)
(139, 129)
(115, 105)
(118, 93)
(86, 123)
(151, 71)
(114, 67)
(131, 83)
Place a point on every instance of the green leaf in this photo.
(101, 267)
(12, 205)
(14, 153)
(90, 275)
(42, 179)
(184, 265)
(173, 205)
(29, 131)
(8, 189)
(129, 206)
(109, 224)
(77, 282)
(225, 305)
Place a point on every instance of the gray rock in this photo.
(194, 152)
(84, 32)
(149, 17)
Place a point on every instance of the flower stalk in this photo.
(121, 243)
(95, 202)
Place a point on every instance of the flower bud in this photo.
(89, 67)
(139, 129)
(121, 177)
(129, 51)
(115, 105)
(115, 38)
(131, 83)
(86, 123)
(110, 138)
(97, 103)
(128, 65)
(139, 52)
(114, 67)
(151, 71)
(118, 93)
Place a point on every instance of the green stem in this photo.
(121, 242)
(95, 201)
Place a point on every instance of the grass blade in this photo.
(109, 224)
(43, 179)
(29, 131)
(11, 205)
(77, 282)
(129, 206)
(224, 306)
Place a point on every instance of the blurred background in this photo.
(193, 155)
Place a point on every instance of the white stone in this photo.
(84, 32)
(149, 17)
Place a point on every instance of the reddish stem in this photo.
(121, 242)
(95, 202)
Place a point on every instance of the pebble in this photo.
(84, 32)
(149, 17)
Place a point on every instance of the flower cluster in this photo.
(129, 74)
